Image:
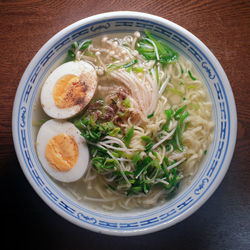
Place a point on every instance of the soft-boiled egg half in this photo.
(68, 89)
(62, 150)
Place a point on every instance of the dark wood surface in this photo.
(222, 223)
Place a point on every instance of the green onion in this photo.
(138, 69)
(191, 87)
(145, 47)
(191, 76)
(151, 115)
(175, 91)
(127, 66)
(85, 45)
(157, 74)
(136, 158)
(179, 112)
(42, 121)
(128, 136)
(146, 138)
(142, 166)
(168, 114)
(114, 132)
(186, 126)
(179, 128)
(71, 56)
(128, 69)
(111, 187)
(136, 189)
(148, 147)
(130, 63)
(126, 103)
(196, 105)
(149, 142)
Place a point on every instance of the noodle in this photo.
(152, 89)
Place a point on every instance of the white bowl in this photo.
(212, 169)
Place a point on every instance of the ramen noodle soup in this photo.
(129, 121)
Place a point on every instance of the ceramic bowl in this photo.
(187, 200)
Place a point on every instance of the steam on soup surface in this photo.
(142, 112)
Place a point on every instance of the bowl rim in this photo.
(190, 36)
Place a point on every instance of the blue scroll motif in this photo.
(208, 70)
(204, 181)
(23, 113)
(100, 27)
(88, 219)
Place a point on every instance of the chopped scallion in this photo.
(191, 76)
(128, 136)
(151, 115)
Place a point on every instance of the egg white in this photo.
(52, 128)
(76, 68)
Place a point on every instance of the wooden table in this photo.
(223, 222)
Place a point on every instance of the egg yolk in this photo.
(62, 152)
(69, 91)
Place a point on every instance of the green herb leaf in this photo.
(145, 47)
(128, 136)
(85, 45)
